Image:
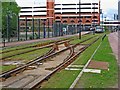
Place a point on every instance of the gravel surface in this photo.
(30, 77)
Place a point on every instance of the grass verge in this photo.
(62, 79)
(107, 79)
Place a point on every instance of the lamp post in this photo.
(79, 20)
(8, 27)
(39, 28)
(105, 22)
(3, 40)
(48, 28)
(102, 21)
(18, 27)
(44, 30)
(94, 20)
(32, 27)
(26, 27)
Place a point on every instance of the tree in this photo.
(9, 10)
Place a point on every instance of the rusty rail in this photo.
(64, 64)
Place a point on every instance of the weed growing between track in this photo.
(6, 68)
(77, 40)
(64, 79)
(32, 44)
(24, 58)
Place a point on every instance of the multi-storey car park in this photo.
(73, 12)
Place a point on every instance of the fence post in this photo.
(44, 29)
(26, 26)
(48, 28)
(33, 26)
(8, 28)
(18, 28)
(39, 28)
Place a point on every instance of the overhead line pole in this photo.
(79, 20)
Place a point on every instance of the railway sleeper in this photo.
(67, 44)
(2, 79)
(17, 72)
(31, 67)
(69, 61)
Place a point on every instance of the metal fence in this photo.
(37, 29)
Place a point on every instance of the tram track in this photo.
(35, 48)
(64, 64)
(66, 61)
(41, 44)
(51, 53)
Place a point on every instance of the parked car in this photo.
(99, 29)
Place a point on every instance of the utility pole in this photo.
(39, 28)
(8, 27)
(33, 27)
(26, 27)
(94, 19)
(102, 21)
(79, 20)
(18, 27)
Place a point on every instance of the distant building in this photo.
(63, 12)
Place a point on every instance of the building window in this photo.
(87, 16)
(87, 21)
(57, 17)
(22, 24)
(64, 21)
(94, 20)
(94, 16)
(79, 21)
(72, 21)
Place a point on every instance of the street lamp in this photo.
(79, 20)
(44, 29)
(48, 28)
(18, 27)
(94, 19)
(33, 27)
(26, 26)
(102, 21)
(8, 27)
(39, 28)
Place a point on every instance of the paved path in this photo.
(114, 40)
(38, 40)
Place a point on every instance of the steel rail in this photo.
(63, 65)
(41, 58)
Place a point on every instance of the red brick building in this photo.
(69, 12)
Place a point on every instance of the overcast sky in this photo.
(106, 5)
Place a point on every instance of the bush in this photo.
(30, 37)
